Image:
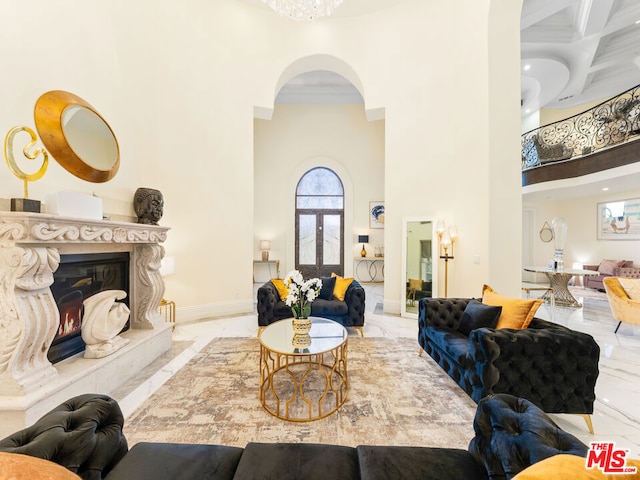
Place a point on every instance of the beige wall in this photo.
(301, 137)
(179, 83)
(551, 115)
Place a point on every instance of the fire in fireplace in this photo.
(78, 277)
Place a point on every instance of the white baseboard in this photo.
(391, 306)
(219, 309)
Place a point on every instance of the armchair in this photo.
(623, 308)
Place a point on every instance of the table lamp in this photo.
(363, 239)
(265, 246)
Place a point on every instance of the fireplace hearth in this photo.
(78, 277)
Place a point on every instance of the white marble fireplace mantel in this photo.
(30, 249)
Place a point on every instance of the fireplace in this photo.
(78, 277)
(32, 248)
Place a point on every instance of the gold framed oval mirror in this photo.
(76, 136)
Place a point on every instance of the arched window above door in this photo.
(320, 188)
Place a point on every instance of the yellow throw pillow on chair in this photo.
(516, 312)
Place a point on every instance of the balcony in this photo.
(603, 137)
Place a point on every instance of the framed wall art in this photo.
(619, 220)
(376, 214)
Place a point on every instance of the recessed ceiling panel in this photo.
(551, 77)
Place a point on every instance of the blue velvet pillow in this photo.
(328, 284)
(478, 315)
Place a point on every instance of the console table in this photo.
(368, 268)
(270, 267)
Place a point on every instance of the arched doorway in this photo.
(319, 223)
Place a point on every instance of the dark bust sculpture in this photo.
(148, 205)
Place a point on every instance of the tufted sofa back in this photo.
(628, 272)
(84, 434)
(442, 312)
(512, 434)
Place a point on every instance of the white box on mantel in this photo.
(72, 204)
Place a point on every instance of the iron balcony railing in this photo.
(612, 122)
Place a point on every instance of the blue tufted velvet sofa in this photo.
(85, 435)
(552, 366)
(349, 312)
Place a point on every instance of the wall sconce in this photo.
(446, 239)
(265, 246)
(363, 239)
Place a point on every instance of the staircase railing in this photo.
(612, 122)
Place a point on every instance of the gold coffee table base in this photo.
(302, 387)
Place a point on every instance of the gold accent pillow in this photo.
(282, 290)
(15, 466)
(340, 290)
(564, 466)
(516, 312)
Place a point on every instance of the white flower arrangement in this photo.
(301, 293)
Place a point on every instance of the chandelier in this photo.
(303, 9)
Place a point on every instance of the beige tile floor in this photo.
(617, 409)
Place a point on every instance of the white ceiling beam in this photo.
(593, 16)
(534, 11)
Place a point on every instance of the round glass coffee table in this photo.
(303, 377)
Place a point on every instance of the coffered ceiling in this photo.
(578, 51)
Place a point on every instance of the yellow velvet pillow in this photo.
(340, 290)
(282, 290)
(563, 467)
(516, 312)
(15, 466)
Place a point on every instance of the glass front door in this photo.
(319, 245)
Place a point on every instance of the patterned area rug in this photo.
(395, 398)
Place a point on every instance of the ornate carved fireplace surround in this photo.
(30, 249)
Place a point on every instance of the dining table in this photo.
(559, 284)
